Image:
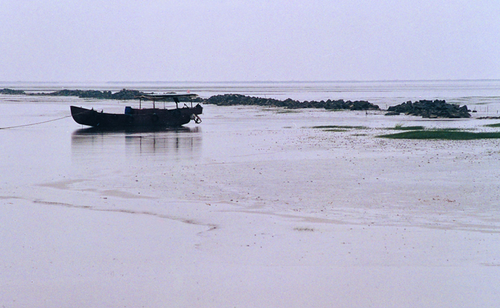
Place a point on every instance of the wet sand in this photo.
(252, 208)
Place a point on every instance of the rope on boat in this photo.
(37, 123)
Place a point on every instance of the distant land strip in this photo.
(220, 100)
(424, 108)
(238, 99)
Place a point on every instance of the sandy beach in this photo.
(253, 208)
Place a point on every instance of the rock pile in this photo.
(123, 94)
(11, 92)
(424, 108)
(238, 99)
(430, 109)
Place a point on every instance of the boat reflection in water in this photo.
(182, 143)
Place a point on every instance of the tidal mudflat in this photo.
(255, 207)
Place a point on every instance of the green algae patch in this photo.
(338, 127)
(442, 134)
(401, 127)
(493, 125)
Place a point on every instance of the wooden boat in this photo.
(142, 117)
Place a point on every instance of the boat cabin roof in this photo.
(166, 97)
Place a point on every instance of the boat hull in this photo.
(136, 118)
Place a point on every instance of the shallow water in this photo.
(252, 199)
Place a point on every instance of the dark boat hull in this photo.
(136, 118)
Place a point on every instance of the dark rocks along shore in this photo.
(238, 99)
(430, 109)
(424, 108)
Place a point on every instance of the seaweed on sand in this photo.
(442, 134)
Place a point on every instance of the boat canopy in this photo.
(166, 97)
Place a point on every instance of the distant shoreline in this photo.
(424, 108)
(243, 82)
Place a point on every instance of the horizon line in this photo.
(254, 81)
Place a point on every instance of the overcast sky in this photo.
(254, 40)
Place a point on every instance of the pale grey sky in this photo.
(258, 40)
